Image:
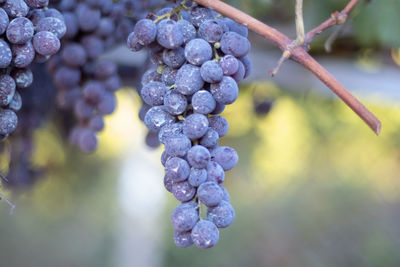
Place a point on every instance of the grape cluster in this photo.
(87, 83)
(199, 58)
(29, 32)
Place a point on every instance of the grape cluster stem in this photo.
(300, 54)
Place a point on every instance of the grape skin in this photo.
(205, 234)
(210, 194)
(184, 217)
(225, 156)
(46, 43)
(222, 215)
(211, 72)
(177, 169)
(20, 31)
(5, 54)
(198, 51)
(225, 92)
(195, 126)
(198, 157)
(188, 79)
(203, 102)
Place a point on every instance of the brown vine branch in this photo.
(299, 54)
(336, 18)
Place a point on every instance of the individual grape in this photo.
(168, 182)
(198, 51)
(16, 102)
(236, 27)
(164, 158)
(174, 58)
(183, 239)
(106, 27)
(88, 18)
(197, 177)
(54, 13)
(153, 93)
(23, 55)
(156, 58)
(238, 76)
(169, 35)
(211, 31)
(7, 89)
(74, 55)
(169, 76)
(157, 117)
(234, 44)
(8, 122)
(113, 83)
(66, 77)
(151, 140)
(83, 110)
(183, 191)
(15, 8)
(203, 102)
(187, 29)
(177, 146)
(107, 104)
(93, 45)
(23, 77)
(215, 173)
(177, 169)
(226, 197)
(37, 3)
(248, 67)
(225, 156)
(188, 79)
(5, 54)
(72, 25)
(219, 108)
(93, 92)
(200, 14)
(229, 65)
(222, 215)
(210, 139)
(46, 43)
(151, 75)
(20, 31)
(87, 141)
(211, 72)
(185, 216)
(175, 103)
(96, 123)
(53, 25)
(146, 31)
(226, 91)
(210, 194)
(4, 21)
(205, 234)
(169, 130)
(133, 42)
(198, 157)
(104, 69)
(195, 126)
(67, 98)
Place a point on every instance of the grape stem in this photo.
(12, 206)
(300, 54)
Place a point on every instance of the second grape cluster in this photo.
(199, 58)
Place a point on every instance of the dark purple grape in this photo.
(169, 76)
(211, 72)
(236, 27)
(16, 8)
(34, 4)
(227, 197)
(74, 55)
(20, 31)
(225, 156)
(211, 31)
(133, 42)
(198, 157)
(83, 110)
(8, 122)
(4, 21)
(222, 215)
(229, 65)
(88, 18)
(203, 102)
(151, 140)
(53, 25)
(200, 14)
(157, 117)
(169, 34)
(72, 25)
(16, 102)
(219, 124)
(177, 146)
(187, 29)
(5, 54)
(151, 75)
(104, 69)
(146, 31)
(107, 104)
(175, 103)
(210, 194)
(183, 191)
(93, 92)
(106, 27)
(174, 58)
(195, 126)
(46, 43)
(153, 93)
(35, 15)
(96, 123)
(197, 177)
(210, 139)
(238, 76)
(188, 79)
(225, 92)
(66, 77)
(205, 234)
(7, 89)
(183, 239)
(198, 51)
(113, 83)
(169, 130)
(177, 169)
(215, 173)
(23, 77)
(234, 44)
(23, 55)
(87, 141)
(248, 67)
(185, 216)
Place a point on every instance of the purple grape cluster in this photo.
(86, 83)
(29, 32)
(199, 58)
